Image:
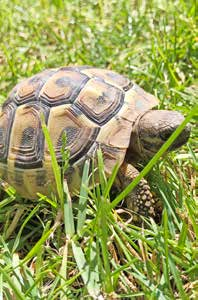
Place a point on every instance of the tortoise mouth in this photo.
(182, 138)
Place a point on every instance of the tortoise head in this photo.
(153, 129)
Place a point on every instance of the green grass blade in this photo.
(168, 206)
(63, 270)
(183, 235)
(10, 282)
(68, 213)
(90, 277)
(102, 223)
(101, 168)
(83, 197)
(166, 251)
(177, 278)
(152, 288)
(17, 239)
(55, 166)
(1, 286)
(7, 201)
(103, 237)
(33, 252)
(32, 290)
(192, 207)
(8, 189)
(48, 200)
(53, 287)
(111, 180)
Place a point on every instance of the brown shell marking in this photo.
(6, 120)
(26, 140)
(28, 89)
(81, 133)
(99, 101)
(62, 87)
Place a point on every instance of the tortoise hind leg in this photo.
(140, 200)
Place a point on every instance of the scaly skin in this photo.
(140, 201)
(150, 132)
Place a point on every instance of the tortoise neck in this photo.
(135, 150)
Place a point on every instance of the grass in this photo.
(53, 249)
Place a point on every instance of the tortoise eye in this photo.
(165, 134)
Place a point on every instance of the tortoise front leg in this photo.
(140, 200)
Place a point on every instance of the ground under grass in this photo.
(91, 253)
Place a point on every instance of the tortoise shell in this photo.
(95, 107)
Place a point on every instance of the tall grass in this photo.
(57, 248)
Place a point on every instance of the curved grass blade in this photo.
(17, 239)
(33, 252)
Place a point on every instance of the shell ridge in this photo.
(64, 88)
(11, 119)
(103, 119)
(43, 83)
(42, 86)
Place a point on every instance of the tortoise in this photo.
(96, 108)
